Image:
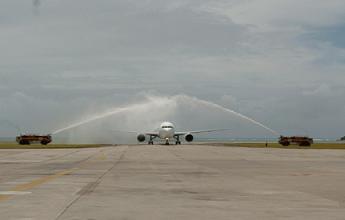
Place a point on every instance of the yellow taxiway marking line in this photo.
(4, 197)
(37, 182)
(40, 181)
(102, 157)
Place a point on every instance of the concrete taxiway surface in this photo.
(172, 182)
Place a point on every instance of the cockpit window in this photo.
(167, 127)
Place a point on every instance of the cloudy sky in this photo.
(281, 62)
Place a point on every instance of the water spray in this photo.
(236, 114)
(114, 111)
(160, 102)
(93, 118)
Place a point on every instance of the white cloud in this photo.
(281, 14)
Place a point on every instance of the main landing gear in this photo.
(151, 140)
(178, 142)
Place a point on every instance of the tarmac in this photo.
(172, 182)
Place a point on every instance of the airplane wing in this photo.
(121, 131)
(154, 133)
(198, 132)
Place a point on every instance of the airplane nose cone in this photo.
(166, 133)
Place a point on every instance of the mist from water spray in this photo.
(158, 102)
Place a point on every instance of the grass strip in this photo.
(276, 145)
(49, 146)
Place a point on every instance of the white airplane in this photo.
(167, 132)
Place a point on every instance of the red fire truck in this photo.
(26, 139)
(299, 140)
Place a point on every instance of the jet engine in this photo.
(141, 137)
(189, 138)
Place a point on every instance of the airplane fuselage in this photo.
(166, 131)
